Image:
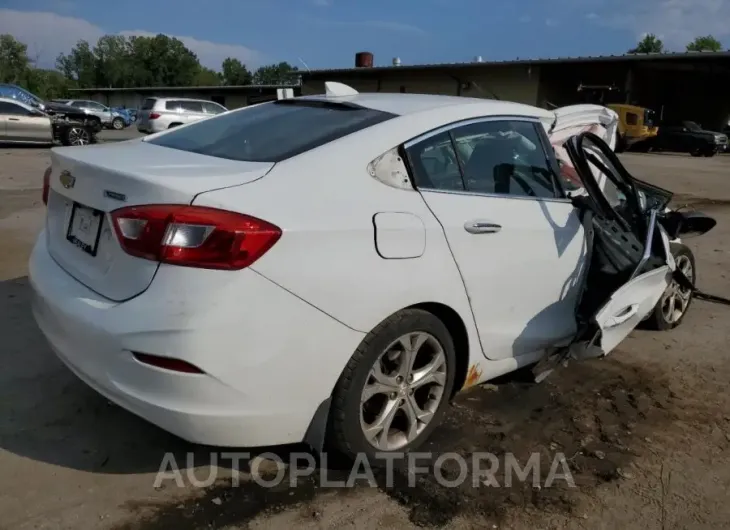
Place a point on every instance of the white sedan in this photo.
(337, 267)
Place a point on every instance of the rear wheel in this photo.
(395, 387)
(674, 303)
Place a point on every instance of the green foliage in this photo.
(128, 62)
(235, 73)
(14, 61)
(276, 74)
(649, 44)
(708, 43)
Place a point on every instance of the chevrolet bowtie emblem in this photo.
(67, 179)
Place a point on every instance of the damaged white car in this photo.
(335, 268)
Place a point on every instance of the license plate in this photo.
(84, 228)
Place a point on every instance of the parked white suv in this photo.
(158, 114)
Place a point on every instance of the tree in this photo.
(114, 64)
(708, 43)
(649, 44)
(276, 74)
(235, 73)
(79, 65)
(14, 62)
(207, 77)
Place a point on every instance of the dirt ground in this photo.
(645, 433)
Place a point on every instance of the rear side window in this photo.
(173, 105)
(191, 106)
(632, 119)
(148, 104)
(272, 132)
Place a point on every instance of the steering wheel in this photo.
(621, 178)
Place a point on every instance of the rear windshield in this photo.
(272, 132)
(148, 104)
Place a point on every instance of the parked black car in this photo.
(689, 137)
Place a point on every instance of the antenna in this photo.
(305, 64)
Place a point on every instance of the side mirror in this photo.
(685, 129)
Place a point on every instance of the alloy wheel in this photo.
(79, 136)
(403, 391)
(676, 299)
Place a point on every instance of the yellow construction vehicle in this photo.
(636, 126)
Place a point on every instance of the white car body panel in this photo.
(143, 174)
(541, 243)
(273, 339)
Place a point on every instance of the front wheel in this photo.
(395, 387)
(77, 135)
(674, 303)
(117, 124)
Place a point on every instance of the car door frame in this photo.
(560, 197)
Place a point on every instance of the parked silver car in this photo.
(24, 123)
(158, 114)
(109, 118)
(21, 123)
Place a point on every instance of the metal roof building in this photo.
(687, 85)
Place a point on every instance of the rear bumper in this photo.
(261, 384)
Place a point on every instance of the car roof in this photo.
(403, 104)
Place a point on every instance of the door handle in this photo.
(482, 227)
(622, 316)
(13, 119)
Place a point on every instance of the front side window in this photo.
(271, 132)
(212, 108)
(11, 109)
(504, 158)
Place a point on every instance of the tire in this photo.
(696, 152)
(710, 153)
(660, 319)
(349, 415)
(77, 135)
(117, 124)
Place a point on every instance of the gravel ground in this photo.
(646, 432)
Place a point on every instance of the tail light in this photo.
(46, 184)
(154, 115)
(193, 236)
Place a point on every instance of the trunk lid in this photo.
(88, 183)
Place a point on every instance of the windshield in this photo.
(692, 126)
(271, 132)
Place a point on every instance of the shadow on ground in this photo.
(595, 413)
